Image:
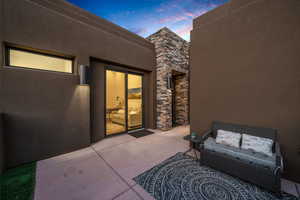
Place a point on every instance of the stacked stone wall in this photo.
(172, 55)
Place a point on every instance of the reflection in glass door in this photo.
(115, 102)
(135, 111)
(124, 102)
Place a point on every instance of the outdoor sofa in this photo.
(248, 165)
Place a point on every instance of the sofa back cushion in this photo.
(241, 154)
(257, 144)
(228, 138)
(244, 129)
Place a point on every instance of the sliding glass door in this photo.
(135, 102)
(115, 102)
(124, 102)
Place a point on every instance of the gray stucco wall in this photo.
(45, 114)
(245, 69)
(48, 113)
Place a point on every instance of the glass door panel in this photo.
(134, 94)
(115, 102)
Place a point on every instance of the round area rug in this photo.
(182, 178)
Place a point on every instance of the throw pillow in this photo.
(228, 138)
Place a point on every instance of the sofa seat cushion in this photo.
(245, 155)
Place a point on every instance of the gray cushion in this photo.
(242, 154)
(257, 144)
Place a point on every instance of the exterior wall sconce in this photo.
(84, 74)
(169, 82)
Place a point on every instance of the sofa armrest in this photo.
(279, 159)
(206, 135)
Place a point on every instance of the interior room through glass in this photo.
(124, 102)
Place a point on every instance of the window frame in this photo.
(8, 49)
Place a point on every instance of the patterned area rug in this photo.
(182, 178)
(18, 183)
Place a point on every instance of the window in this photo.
(28, 59)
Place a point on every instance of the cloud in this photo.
(139, 31)
(177, 15)
(173, 19)
(184, 31)
(182, 14)
(195, 13)
(160, 9)
(167, 5)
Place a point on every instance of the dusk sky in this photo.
(145, 17)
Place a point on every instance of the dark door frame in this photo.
(126, 71)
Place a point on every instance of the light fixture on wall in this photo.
(84, 74)
(169, 82)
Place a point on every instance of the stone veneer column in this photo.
(172, 54)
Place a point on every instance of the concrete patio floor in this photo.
(105, 170)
